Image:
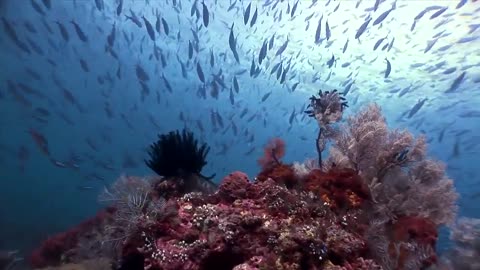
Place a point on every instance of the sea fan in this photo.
(177, 154)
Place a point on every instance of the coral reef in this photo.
(376, 203)
(92, 264)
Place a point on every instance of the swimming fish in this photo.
(389, 68)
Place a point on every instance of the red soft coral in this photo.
(339, 188)
(282, 174)
(417, 230)
(52, 249)
(273, 152)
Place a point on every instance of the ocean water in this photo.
(76, 114)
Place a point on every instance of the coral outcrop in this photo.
(376, 203)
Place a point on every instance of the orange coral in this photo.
(338, 188)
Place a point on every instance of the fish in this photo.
(214, 91)
(236, 87)
(282, 48)
(81, 35)
(246, 14)
(47, 26)
(232, 6)
(167, 83)
(427, 9)
(456, 83)
(13, 36)
(40, 141)
(318, 32)
(212, 59)
(119, 7)
(382, 17)
(416, 107)
(294, 86)
(389, 68)
(141, 74)
(200, 74)
(362, 28)
(467, 39)
(390, 45)
(30, 27)
(166, 29)
(438, 13)
(233, 45)
(254, 18)
(205, 14)
(111, 37)
(430, 45)
(283, 77)
(449, 70)
(265, 97)
(82, 187)
(294, 8)
(84, 65)
(33, 74)
(327, 30)
(292, 117)
(263, 52)
(347, 89)
(345, 46)
(252, 68)
(461, 4)
(47, 3)
(149, 27)
(378, 43)
(190, 50)
(158, 24)
(99, 5)
(375, 6)
(134, 19)
(231, 97)
(331, 61)
(270, 43)
(37, 7)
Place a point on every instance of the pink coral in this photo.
(234, 186)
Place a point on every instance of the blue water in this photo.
(39, 198)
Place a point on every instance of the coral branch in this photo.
(273, 152)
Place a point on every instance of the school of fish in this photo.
(91, 83)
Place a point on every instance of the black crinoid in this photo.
(178, 155)
(327, 107)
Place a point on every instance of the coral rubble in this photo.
(376, 203)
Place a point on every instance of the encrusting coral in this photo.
(376, 203)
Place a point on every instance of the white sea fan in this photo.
(394, 165)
